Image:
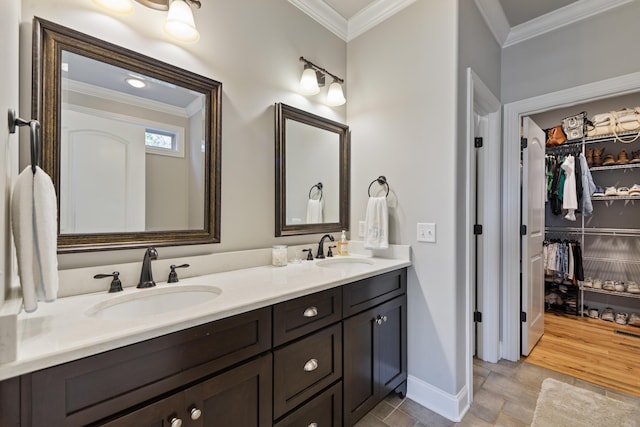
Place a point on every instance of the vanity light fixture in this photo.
(179, 23)
(313, 78)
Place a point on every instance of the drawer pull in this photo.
(311, 365)
(313, 425)
(175, 421)
(195, 413)
(311, 312)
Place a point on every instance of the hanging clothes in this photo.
(570, 197)
(571, 175)
(563, 261)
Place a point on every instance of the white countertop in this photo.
(63, 331)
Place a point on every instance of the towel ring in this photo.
(319, 187)
(381, 180)
(34, 127)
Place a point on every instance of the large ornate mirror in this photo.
(132, 144)
(312, 173)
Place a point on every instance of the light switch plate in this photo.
(361, 229)
(426, 232)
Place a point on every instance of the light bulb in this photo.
(335, 97)
(124, 7)
(309, 82)
(180, 24)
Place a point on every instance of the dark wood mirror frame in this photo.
(49, 40)
(283, 113)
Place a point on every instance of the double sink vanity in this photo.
(315, 343)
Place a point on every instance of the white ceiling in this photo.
(511, 21)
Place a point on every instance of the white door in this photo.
(533, 199)
(103, 186)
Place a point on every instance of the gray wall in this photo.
(252, 47)
(594, 49)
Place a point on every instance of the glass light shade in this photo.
(335, 96)
(309, 82)
(137, 83)
(124, 7)
(180, 24)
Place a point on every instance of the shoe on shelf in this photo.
(635, 190)
(635, 157)
(597, 156)
(588, 154)
(608, 314)
(593, 313)
(600, 192)
(623, 159)
(587, 282)
(633, 287)
(609, 285)
(634, 319)
(621, 318)
(608, 160)
(610, 191)
(623, 191)
(620, 286)
(597, 284)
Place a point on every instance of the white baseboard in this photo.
(452, 407)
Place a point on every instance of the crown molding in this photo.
(569, 14)
(496, 20)
(361, 22)
(374, 14)
(325, 15)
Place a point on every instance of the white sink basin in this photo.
(351, 265)
(159, 300)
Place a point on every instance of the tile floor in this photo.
(505, 394)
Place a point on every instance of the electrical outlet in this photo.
(426, 232)
(361, 229)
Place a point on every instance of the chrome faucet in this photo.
(320, 253)
(146, 276)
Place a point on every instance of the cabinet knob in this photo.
(175, 421)
(313, 425)
(311, 312)
(195, 413)
(381, 319)
(311, 365)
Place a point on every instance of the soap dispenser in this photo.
(343, 244)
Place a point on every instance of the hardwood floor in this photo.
(591, 350)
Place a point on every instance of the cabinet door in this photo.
(163, 413)
(375, 360)
(239, 397)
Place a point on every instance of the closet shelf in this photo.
(613, 198)
(613, 167)
(615, 293)
(618, 232)
(608, 138)
(611, 260)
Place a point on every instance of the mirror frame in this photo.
(49, 40)
(283, 113)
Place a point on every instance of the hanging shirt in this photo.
(570, 197)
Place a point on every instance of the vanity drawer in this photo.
(89, 389)
(304, 367)
(324, 410)
(301, 316)
(363, 294)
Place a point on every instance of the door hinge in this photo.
(523, 317)
(523, 143)
(477, 229)
(523, 230)
(477, 142)
(477, 316)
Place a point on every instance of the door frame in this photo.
(622, 85)
(482, 101)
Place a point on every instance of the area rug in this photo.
(563, 405)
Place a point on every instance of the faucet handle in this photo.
(309, 254)
(330, 252)
(116, 284)
(173, 276)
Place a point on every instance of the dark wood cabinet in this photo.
(324, 410)
(375, 358)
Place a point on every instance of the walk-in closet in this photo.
(592, 255)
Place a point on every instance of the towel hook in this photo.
(381, 180)
(319, 187)
(34, 127)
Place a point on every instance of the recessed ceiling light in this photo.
(137, 83)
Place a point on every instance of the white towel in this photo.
(34, 226)
(314, 211)
(377, 224)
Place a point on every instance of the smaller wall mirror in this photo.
(132, 144)
(312, 173)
